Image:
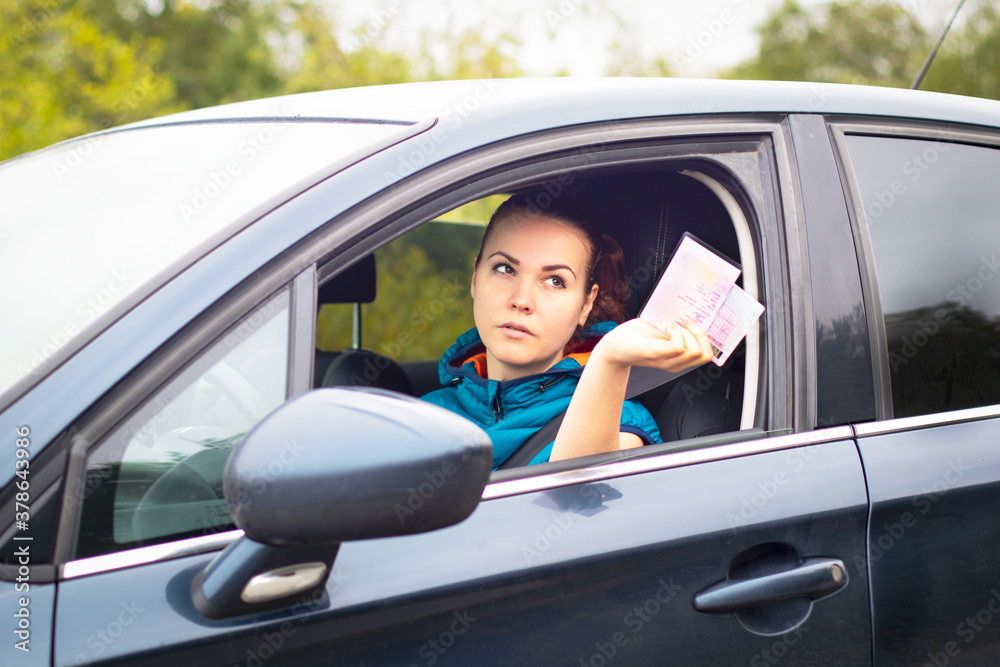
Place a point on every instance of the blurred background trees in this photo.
(877, 43)
(76, 66)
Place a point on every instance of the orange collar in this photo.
(479, 361)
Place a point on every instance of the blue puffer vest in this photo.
(511, 411)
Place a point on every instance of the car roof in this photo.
(563, 101)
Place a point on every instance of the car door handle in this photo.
(814, 578)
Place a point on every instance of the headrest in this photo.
(364, 368)
(647, 213)
(355, 284)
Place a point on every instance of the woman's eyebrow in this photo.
(510, 259)
(556, 267)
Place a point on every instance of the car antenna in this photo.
(930, 58)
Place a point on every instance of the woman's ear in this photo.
(588, 304)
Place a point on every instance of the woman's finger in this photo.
(701, 342)
(689, 341)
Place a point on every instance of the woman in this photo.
(548, 291)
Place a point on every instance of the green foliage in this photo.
(876, 43)
(76, 66)
(323, 62)
(626, 60)
(65, 76)
(470, 56)
(423, 299)
(969, 61)
(215, 53)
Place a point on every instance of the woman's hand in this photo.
(592, 420)
(639, 343)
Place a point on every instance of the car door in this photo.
(924, 209)
(722, 549)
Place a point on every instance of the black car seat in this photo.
(647, 213)
(365, 368)
(354, 366)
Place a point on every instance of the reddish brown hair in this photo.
(606, 264)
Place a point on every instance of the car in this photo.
(218, 325)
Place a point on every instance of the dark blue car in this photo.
(217, 326)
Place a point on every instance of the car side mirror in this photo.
(330, 466)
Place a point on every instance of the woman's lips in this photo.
(514, 330)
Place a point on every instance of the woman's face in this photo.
(528, 294)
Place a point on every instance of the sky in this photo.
(696, 38)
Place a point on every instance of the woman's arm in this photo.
(593, 419)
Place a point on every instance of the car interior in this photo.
(647, 212)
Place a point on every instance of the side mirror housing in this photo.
(330, 466)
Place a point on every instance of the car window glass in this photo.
(159, 476)
(931, 209)
(138, 201)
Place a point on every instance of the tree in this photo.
(879, 43)
(969, 62)
(65, 76)
(323, 63)
(842, 42)
(214, 52)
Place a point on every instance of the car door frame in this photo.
(919, 490)
(423, 194)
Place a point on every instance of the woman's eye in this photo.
(556, 281)
(505, 269)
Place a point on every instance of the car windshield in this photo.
(85, 224)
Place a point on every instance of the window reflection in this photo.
(933, 212)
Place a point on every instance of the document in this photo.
(699, 286)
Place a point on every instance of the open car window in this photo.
(158, 476)
(420, 302)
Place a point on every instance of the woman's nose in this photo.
(520, 299)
